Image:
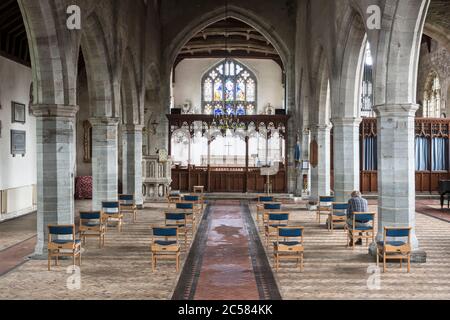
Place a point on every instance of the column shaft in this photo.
(346, 157)
(320, 175)
(132, 162)
(55, 169)
(104, 160)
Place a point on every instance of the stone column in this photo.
(396, 171)
(132, 162)
(346, 157)
(55, 129)
(104, 160)
(320, 175)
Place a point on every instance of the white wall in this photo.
(189, 73)
(17, 174)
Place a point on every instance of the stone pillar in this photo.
(104, 160)
(396, 171)
(320, 175)
(55, 129)
(132, 162)
(346, 157)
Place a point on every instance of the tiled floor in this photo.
(333, 271)
(122, 269)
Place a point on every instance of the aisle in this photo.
(227, 260)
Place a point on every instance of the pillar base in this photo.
(417, 256)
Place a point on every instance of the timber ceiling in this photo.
(229, 38)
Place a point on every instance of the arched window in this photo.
(432, 97)
(229, 88)
(367, 85)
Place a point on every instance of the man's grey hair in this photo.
(356, 194)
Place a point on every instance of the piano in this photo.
(444, 188)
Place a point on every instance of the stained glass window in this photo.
(232, 87)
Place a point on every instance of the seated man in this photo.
(356, 204)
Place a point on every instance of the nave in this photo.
(222, 260)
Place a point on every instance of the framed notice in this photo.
(18, 112)
(18, 143)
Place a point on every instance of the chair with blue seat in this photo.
(111, 213)
(92, 225)
(127, 205)
(62, 242)
(324, 206)
(358, 231)
(191, 210)
(274, 221)
(262, 200)
(196, 199)
(396, 245)
(338, 215)
(264, 208)
(180, 221)
(289, 246)
(165, 246)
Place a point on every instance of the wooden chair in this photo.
(111, 212)
(172, 199)
(363, 232)
(395, 249)
(196, 199)
(324, 206)
(63, 243)
(289, 246)
(274, 221)
(263, 208)
(199, 189)
(180, 221)
(92, 225)
(165, 246)
(127, 205)
(191, 210)
(338, 215)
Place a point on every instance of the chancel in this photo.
(224, 150)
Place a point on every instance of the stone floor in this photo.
(122, 269)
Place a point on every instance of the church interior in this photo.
(213, 150)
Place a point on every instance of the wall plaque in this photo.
(18, 143)
(18, 112)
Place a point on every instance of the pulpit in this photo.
(156, 178)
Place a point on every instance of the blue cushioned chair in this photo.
(264, 199)
(191, 209)
(92, 225)
(196, 199)
(63, 243)
(263, 209)
(127, 205)
(355, 232)
(180, 221)
(274, 221)
(396, 245)
(338, 215)
(324, 206)
(165, 245)
(289, 246)
(111, 212)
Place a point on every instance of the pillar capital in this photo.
(346, 122)
(396, 110)
(104, 121)
(132, 128)
(54, 111)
